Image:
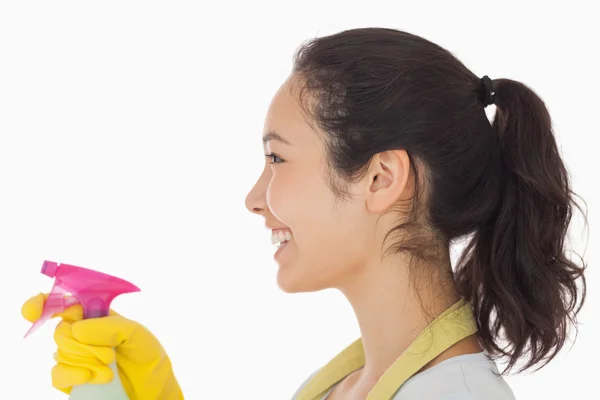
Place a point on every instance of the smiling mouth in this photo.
(280, 237)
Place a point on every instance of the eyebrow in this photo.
(272, 135)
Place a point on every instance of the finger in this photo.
(32, 309)
(101, 372)
(66, 343)
(71, 314)
(66, 376)
(127, 337)
(91, 374)
(72, 370)
(110, 331)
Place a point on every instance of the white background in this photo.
(130, 134)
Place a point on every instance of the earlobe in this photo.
(388, 177)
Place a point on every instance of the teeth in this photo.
(280, 236)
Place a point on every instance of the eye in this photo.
(275, 159)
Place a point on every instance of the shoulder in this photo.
(466, 377)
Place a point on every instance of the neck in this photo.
(392, 316)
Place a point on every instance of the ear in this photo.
(387, 179)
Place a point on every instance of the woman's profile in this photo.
(379, 159)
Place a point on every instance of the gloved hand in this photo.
(87, 347)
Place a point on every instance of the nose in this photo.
(256, 200)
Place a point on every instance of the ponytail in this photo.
(514, 271)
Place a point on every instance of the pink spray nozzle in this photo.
(92, 289)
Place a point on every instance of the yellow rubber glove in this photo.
(87, 347)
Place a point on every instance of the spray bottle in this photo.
(94, 291)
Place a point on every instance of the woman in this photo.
(379, 156)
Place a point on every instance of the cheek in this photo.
(282, 198)
(329, 241)
(295, 193)
(300, 200)
(335, 241)
(329, 236)
(325, 255)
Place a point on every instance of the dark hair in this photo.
(502, 186)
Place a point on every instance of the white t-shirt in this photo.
(464, 377)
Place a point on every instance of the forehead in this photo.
(285, 114)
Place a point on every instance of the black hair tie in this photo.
(488, 90)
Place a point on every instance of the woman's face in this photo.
(328, 236)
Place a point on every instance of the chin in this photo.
(290, 282)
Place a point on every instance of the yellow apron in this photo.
(450, 327)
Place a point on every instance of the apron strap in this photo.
(453, 325)
(348, 361)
